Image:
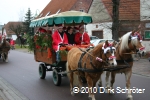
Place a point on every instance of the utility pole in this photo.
(115, 18)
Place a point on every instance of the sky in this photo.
(15, 10)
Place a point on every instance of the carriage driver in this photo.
(59, 39)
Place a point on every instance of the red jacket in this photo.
(57, 39)
(82, 38)
(0, 37)
(12, 42)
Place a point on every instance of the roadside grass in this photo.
(17, 46)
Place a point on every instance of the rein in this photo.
(92, 55)
(84, 69)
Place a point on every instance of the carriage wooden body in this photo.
(41, 56)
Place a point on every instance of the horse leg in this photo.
(128, 76)
(6, 57)
(80, 83)
(111, 83)
(100, 82)
(107, 79)
(70, 76)
(90, 85)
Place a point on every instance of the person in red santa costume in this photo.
(0, 37)
(59, 39)
(82, 37)
(12, 43)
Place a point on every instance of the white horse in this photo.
(130, 42)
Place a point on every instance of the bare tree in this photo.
(21, 15)
(115, 18)
(17, 29)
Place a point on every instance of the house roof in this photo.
(82, 5)
(55, 5)
(65, 5)
(9, 24)
(128, 9)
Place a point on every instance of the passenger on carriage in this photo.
(82, 37)
(42, 30)
(70, 35)
(59, 39)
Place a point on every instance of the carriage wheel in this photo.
(42, 71)
(56, 77)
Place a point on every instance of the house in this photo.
(10, 26)
(129, 17)
(101, 11)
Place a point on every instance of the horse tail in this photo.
(67, 69)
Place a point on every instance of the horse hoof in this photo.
(72, 94)
(99, 85)
(90, 98)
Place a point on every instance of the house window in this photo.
(58, 11)
(48, 13)
(81, 10)
(147, 34)
(147, 25)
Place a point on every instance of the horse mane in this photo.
(97, 50)
(124, 41)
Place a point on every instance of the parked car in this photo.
(93, 37)
(95, 42)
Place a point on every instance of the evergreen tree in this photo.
(28, 18)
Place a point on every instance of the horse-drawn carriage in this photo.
(4, 48)
(69, 18)
(88, 63)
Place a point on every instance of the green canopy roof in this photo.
(67, 17)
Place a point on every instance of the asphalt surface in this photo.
(22, 73)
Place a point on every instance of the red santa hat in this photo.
(137, 35)
(76, 28)
(81, 26)
(42, 30)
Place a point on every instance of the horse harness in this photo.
(95, 69)
(126, 62)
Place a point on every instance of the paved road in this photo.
(22, 73)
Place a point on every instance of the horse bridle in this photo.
(107, 58)
(135, 50)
